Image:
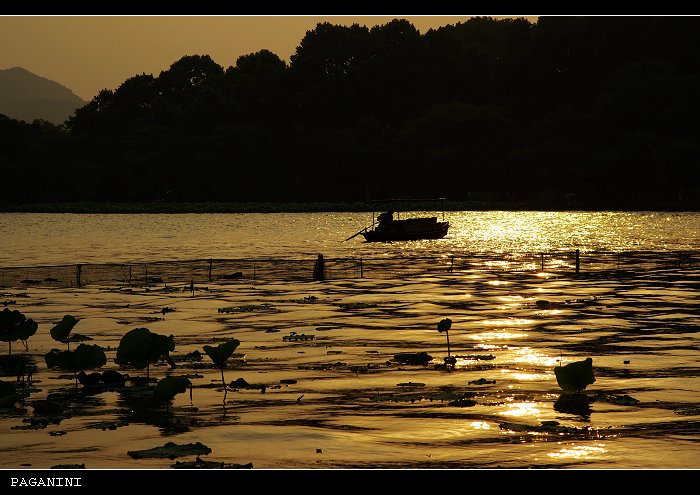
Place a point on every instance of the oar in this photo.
(361, 231)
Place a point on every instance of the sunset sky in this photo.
(87, 54)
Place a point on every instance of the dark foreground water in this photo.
(341, 400)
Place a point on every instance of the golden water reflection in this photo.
(519, 409)
(480, 425)
(508, 322)
(505, 335)
(579, 451)
(522, 376)
(497, 283)
(530, 356)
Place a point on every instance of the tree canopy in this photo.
(604, 110)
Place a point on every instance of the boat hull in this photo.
(435, 231)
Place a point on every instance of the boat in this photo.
(387, 228)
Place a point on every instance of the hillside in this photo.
(26, 96)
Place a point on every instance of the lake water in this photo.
(36, 239)
(341, 399)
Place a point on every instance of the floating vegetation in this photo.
(410, 384)
(272, 330)
(462, 403)
(194, 356)
(202, 464)
(416, 397)
(143, 319)
(85, 357)
(482, 381)
(15, 326)
(476, 357)
(220, 354)
(249, 308)
(17, 365)
(108, 425)
(19, 294)
(357, 305)
(167, 310)
(617, 399)
(544, 427)
(322, 366)
(171, 450)
(140, 348)
(417, 358)
(288, 381)
(576, 376)
(444, 326)
(294, 337)
(360, 368)
(688, 410)
(62, 330)
(108, 379)
(47, 407)
(544, 304)
(242, 383)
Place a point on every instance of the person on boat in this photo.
(386, 219)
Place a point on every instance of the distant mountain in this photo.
(26, 96)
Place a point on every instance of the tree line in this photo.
(591, 112)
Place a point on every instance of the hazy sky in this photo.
(87, 54)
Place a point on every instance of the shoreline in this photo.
(315, 207)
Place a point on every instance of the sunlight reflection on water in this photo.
(40, 238)
(579, 451)
(519, 409)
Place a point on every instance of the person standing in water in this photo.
(319, 268)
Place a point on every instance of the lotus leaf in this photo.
(61, 331)
(444, 325)
(85, 357)
(15, 326)
(91, 380)
(202, 464)
(113, 378)
(575, 376)
(413, 358)
(170, 386)
(222, 352)
(170, 451)
(141, 348)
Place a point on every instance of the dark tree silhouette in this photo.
(592, 112)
